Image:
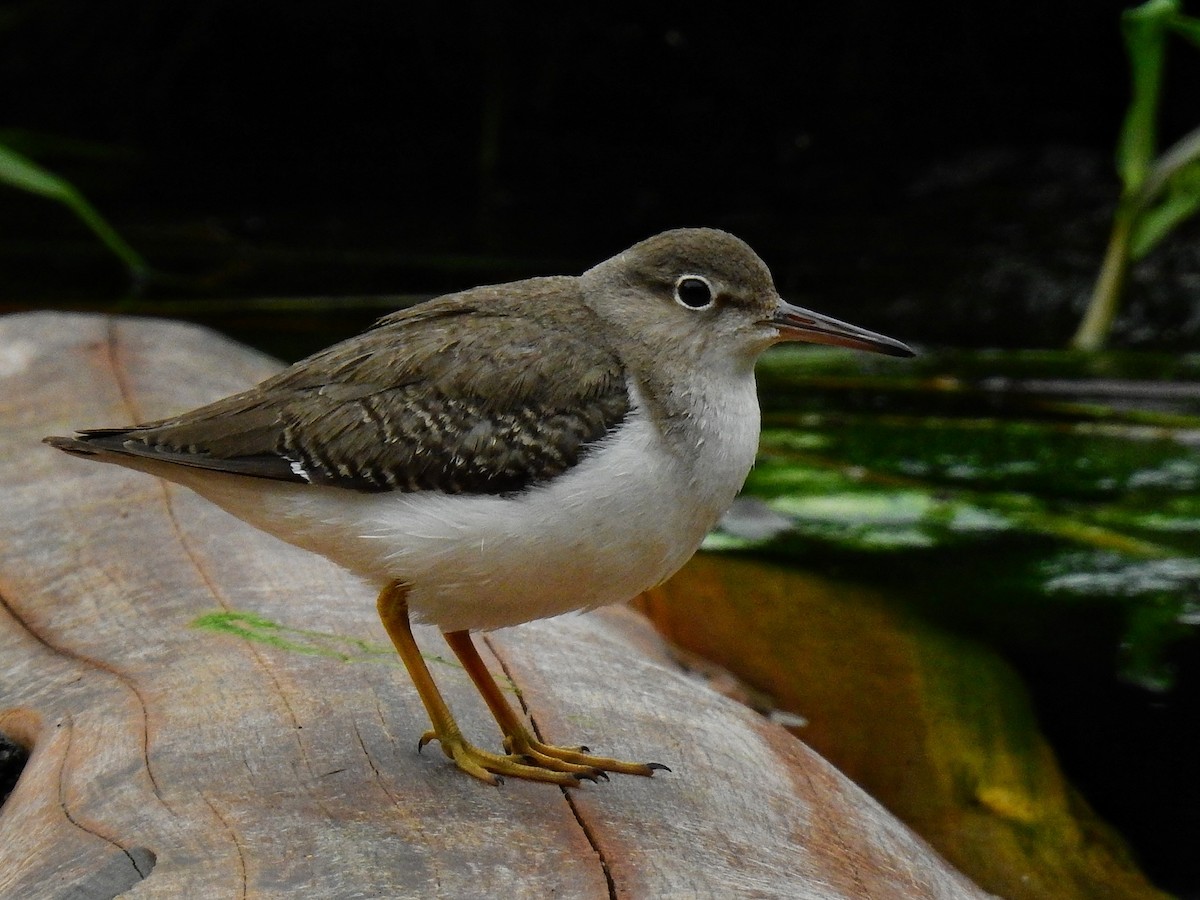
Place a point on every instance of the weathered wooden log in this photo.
(212, 713)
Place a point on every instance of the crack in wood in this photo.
(258, 657)
(374, 768)
(395, 800)
(588, 832)
(116, 363)
(68, 722)
(237, 844)
(116, 366)
(121, 678)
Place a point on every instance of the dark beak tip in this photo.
(803, 325)
(901, 351)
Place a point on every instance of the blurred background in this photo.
(943, 172)
(883, 158)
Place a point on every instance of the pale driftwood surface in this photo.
(171, 761)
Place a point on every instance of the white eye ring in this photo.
(694, 292)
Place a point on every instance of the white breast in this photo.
(622, 520)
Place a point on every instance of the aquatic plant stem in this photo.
(1097, 321)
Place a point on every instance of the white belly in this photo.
(622, 520)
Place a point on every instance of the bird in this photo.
(506, 453)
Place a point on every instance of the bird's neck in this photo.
(709, 424)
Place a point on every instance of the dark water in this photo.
(1044, 503)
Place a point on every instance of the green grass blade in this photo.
(1144, 29)
(1181, 202)
(23, 174)
(1187, 28)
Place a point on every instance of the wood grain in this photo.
(170, 760)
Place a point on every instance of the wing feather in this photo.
(480, 392)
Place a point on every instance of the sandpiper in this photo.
(507, 453)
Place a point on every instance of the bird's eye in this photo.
(694, 292)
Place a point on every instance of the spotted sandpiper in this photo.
(506, 453)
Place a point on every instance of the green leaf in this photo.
(1144, 28)
(1187, 28)
(1181, 202)
(23, 174)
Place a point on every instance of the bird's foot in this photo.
(493, 768)
(523, 745)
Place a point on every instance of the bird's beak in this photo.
(797, 324)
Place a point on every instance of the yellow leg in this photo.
(490, 767)
(519, 741)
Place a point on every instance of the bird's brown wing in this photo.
(489, 391)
